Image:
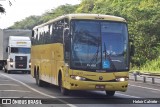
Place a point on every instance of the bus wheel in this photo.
(110, 93)
(38, 81)
(63, 90)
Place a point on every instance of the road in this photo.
(20, 85)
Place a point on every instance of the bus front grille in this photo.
(21, 61)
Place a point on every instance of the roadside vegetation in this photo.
(143, 17)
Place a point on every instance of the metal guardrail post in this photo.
(144, 79)
(153, 80)
(135, 77)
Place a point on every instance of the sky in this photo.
(20, 9)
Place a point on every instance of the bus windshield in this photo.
(20, 50)
(99, 45)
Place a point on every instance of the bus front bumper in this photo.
(90, 85)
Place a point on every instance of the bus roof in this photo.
(84, 16)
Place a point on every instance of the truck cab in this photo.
(18, 51)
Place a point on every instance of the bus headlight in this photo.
(78, 77)
(122, 79)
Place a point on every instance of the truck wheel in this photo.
(110, 93)
(9, 71)
(4, 69)
(1, 67)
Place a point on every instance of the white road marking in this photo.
(4, 80)
(128, 95)
(13, 91)
(145, 87)
(71, 105)
(9, 84)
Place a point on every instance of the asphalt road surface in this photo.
(18, 85)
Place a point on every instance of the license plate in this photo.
(21, 65)
(100, 87)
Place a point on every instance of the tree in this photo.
(2, 10)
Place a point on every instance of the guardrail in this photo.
(153, 77)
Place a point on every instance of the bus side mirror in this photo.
(132, 50)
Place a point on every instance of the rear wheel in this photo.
(110, 93)
(38, 81)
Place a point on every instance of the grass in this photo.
(150, 67)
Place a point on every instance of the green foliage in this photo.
(27, 23)
(30, 22)
(151, 66)
(143, 17)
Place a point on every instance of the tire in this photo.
(4, 69)
(9, 71)
(63, 90)
(110, 93)
(1, 67)
(38, 81)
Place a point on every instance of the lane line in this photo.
(13, 91)
(141, 82)
(71, 105)
(4, 80)
(128, 95)
(144, 87)
(9, 84)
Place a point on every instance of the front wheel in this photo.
(9, 71)
(63, 90)
(110, 93)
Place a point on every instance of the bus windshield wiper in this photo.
(107, 56)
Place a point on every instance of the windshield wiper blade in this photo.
(107, 56)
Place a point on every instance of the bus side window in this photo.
(66, 40)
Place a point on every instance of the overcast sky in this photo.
(20, 9)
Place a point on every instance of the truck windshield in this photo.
(99, 45)
(20, 50)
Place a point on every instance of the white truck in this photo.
(15, 48)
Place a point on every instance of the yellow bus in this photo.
(82, 52)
